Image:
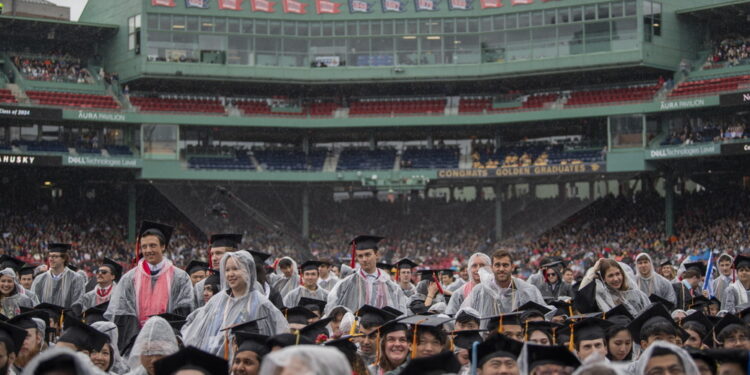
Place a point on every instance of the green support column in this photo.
(131, 212)
(669, 205)
(306, 212)
(498, 212)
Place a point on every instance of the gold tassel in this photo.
(554, 335)
(500, 328)
(296, 341)
(571, 341)
(353, 329)
(526, 331)
(377, 347)
(414, 343)
(226, 345)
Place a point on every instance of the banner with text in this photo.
(327, 7)
(262, 6)
(16, 112)
(203, 4)
(162, 3)
(293, 6)
(230, 4)
(29, 160)
(686, 151)
(101, 161)
(541, 170)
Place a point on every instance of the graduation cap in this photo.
(251, 326)
(162, 231)
(344, 345)
(666, 262)
(741, 261)
(392, 311)
(442, 363)
(585, 299)
(497, 323)
(405, 263)
(656, 299)
(225, 240)
(541, 325)
(9, 261)
(287, 339)
(538, 355)
(170, 317)
(25, 320)
(700, 267)
(365, 242)
(737, 356)
(96, 313)
(298, 315)
(464, 317)
(391, 326)
(114, 266)
(12, 336)
(385, 266)
(312, 304)
(252, 342)
(465, 339)
(27, 270)
(191, 358)
(533, 306)
(564, 307)
(195, 266)
(84, 337)
(700, 318)
(373, 316)
(653, 314)
(72, 267)
(213, 279)
(726, 321)
(429, 323)
(446, 271)
(589, 329)
(58, 247)
(619, 315)
(313, 330)
(259, 256)
(310, 265)
(701, 355)
(498, 346)
(551, 262)
(55, 312)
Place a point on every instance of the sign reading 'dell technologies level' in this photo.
(534, 170)
(683, 151)
(101, 161)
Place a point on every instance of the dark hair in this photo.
(284, 263)
(158, 235)
(695, 326)
(383, 361)
(260, 273)
(610, 333)
(690, 273)
(437, 332)
(657, 328)
(731, 330)
(502, 253)
(662, 351)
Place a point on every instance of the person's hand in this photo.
(705, 294)
(432, 289)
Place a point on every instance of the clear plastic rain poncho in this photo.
(491, 300)
(119, 366)
(639, 367)
(155, 338)
(607, 298)
(282, 283)
(81, 363)
(654, 283)
(204, 327)
(460, 295)
(11, 305)
(306, 360)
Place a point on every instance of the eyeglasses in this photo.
(102, 272)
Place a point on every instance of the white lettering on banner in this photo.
(682, 104)
(683, 151)
(85, 115)
(15, 112)
(746, 97)
(101, 161)
(13, 159)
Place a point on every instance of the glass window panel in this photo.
(364, 28)
(424, 26)
(247, 26)
(239, 42)
(165, 22)
(523, 19)
(233, 25)
(461, 25)
(589, 12)
(221, 25)
(431, 50)
(563, 15)
(315, 29)
(376, 28)
(274, 28)
(436, 26)
(327, 28)
(617, 9)
(407, 50)
(411, 27)
(297, 45)
(544, 42)
(387, 27)
(266, 44)
(406, 43)
(486, 24)
(550, 16)
(624, 34)
(569, 40)
(138, 21)
(157, 36)
(261, 27)
(382, 44)
(493, 47)
(466, 50)
(340, 28)
(519, 47)
(449, 25)
(537, 18)
(207, 24)
(603, 11)
(630, 9)
(178, 23)
(511, 21)
(152, 21)
(598, 37)
(351, 28)
(212, 42)
(498, 22)
(302, 28)
(359, 45)
(289, 28)
(473, 25)
(576, 14)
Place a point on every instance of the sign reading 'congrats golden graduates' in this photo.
(534, 170)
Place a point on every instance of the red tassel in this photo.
(435, 279)
(354, 254)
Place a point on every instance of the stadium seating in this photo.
(241, 162)
(486, 104)
(42, 146)
(4, 147)
(290, 160)
(625, 94)
(150, 104)
(422, 158)
(709, 86)
(528, 154)
(119, 150)
(362, 159)
(397, 106)
(322, 109)
(6, 96)
(69, 99)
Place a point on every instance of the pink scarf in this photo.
(467, 288)
(152, 300)
(381, 299)
(103, 294)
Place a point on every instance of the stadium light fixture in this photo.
(409, 37)
(178, 26)
(433, 37)
(47, 183)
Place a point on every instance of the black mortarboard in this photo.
(27, 270)
(195, 266)
(251, 326)
(365, 242)
(405, 263)
(392, 311)
(447, 271)
(114, 266)
(564, 306)
(442, 363)
(25, 320)
(702, 355)
(53, 311)
(654, 313)
(391, 326)
(287, 339)
(252, 342)
(741, 261)
(82, 336)
(743, 312)
(312, 304)
(162, 231)
(531, 305)
(667, 262)
(538, 355)
(259, 256)
(619, 315)
(298, 315)
(428, 322)
(585, 299)
(9, 261)
(700, 318)
(96, 313)
(738, 356)
(714, 301)
(551, 262)
(313, 330)
(213, 279)
(310, 265)
(465, 339)
(428, 274)
(12, 336)
(373, 316)
(541, 325)
(698, 266)
(590, 329)
(191, 358)
(465, 317)
(344, 345)
(656, 299)
(497, 323)
(170, 317)
(385, 266)
(726, 321)
(58, 247)
(72, 267)
(225, 240)
(498, 345)
(177, 326)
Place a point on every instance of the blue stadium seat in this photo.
(421, 158)
(359, 159)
